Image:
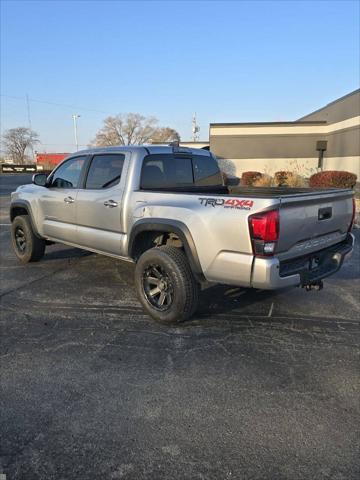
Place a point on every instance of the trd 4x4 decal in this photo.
(229, 203)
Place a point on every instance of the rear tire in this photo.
(27, 246)
(165, 284)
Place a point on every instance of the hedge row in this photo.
(282, 177)
(248, 178)
(333, 178)
(329, 178)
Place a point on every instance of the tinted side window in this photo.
(166, 171)
(105, 171)
(68, 174)
(206, 171)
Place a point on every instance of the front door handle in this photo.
(69, 200)
(110, 203)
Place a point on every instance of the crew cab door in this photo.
(57, 205)
(99, 204)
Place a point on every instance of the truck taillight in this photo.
(353, 215)
(264, 231)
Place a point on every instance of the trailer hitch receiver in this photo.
(314, 286)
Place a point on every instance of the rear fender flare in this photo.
(174, 226)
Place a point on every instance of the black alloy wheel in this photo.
(165, 284)
(20, 239)
(158, 287)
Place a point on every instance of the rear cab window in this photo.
(172, 171)
(105, 171)
(206, 171)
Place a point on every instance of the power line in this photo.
(54, 103)
(56, 144)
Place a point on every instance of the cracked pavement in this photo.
(258, 385)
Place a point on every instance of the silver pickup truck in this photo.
(166, 209)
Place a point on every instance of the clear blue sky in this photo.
(228, 61)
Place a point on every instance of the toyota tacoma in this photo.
(167, 209)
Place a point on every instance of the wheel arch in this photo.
(160, 226)
(22, 207)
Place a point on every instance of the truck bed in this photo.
(256, 192)
(271, 192)
(310, 218)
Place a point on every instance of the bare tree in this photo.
(130, 129)
(166, 134)
(17, 140)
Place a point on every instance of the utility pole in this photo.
(29, 123)
(75, 117)
(195, 129)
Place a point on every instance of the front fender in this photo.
(22, 204)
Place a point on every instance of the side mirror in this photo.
(39, 179)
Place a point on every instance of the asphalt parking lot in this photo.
(258, 385)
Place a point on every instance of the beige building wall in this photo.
(269, 147)
(303, 166)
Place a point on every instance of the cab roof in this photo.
(151, 149)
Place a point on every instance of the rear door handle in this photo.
(110, 203)
(69, 200)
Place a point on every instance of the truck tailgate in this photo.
(313, 221)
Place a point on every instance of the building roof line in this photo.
(354, 92)
(255, 124)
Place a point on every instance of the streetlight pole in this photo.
(75, 117)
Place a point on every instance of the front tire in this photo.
(165, 284)
(27, 246)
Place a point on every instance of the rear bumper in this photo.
(271, 274)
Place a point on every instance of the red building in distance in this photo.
(48, 161)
